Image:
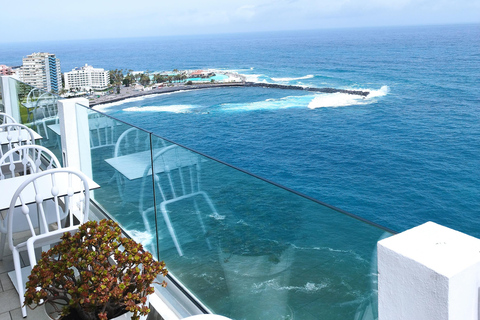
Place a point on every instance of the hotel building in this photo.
(87, 77)
(42, 70)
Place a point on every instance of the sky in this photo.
(34, 20)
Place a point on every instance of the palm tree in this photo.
(116, 77)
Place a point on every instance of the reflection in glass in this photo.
(246, 248)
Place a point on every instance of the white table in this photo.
(23, 134)
(55, 128)
(94, 124)
(9, 186)
(133, 165)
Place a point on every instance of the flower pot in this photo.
(50, 311)
(258, 286)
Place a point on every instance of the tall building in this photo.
(5, 70)
(42, 70)
(87, 77)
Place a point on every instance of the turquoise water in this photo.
(216, 77)
(405, 155)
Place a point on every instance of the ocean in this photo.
(406, 154)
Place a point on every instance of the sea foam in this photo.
(269, 104)
(293, 79)
(309, 287)
(180, 108)
(252, 77)
(339, 99)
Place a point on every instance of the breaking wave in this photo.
(344, 99)
(172, 108)
(293, 79)
(269, 104)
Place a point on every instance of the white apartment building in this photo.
(42, 70)
(86, 78)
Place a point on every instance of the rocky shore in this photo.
(292, 87)
(127, 92)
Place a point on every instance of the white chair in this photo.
(31, 102)
(15, 134)
(6, 118)
(177, 179)
(133, 141)
(27, 159)
(22, 161)
(63, 185)
(46, 111)
(102, 131)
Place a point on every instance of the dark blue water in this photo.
(407, 155)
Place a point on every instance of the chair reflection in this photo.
(177, 180)
(45, 112)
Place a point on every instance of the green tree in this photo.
(158, 78)
(116, 78)
(144, 79)
(128, 80)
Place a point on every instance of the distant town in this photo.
(43, 70)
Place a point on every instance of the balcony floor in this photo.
(9, 302)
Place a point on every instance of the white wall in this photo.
(429, 272)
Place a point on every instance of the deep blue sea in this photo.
(407, 155)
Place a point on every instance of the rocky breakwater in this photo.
(292, 87)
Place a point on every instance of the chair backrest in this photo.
(130, 141)
(66, 187)
(27, 159)
(33, 95)
(6, 118)
(177, 173)
(134, 140)
(102, 131)
(46, 106)
(16, 134)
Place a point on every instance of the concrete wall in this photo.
(429, 272)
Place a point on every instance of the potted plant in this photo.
(95, 273)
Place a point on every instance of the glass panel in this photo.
(251, 250)
(119, 154)
(246, 248)
(2, 105)
(38, 110)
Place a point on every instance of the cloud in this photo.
(124, 18)
(246, 12)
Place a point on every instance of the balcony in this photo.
(234, 244)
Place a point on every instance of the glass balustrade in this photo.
(38, 110)
(245, 247)
(2, 106)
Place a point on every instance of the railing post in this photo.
(429, 272)
(10, 98)
(75, 134)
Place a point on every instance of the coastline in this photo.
(128, 92)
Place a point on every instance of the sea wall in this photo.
(292, 87)
(183, 87)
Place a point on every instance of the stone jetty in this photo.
(184, 87)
